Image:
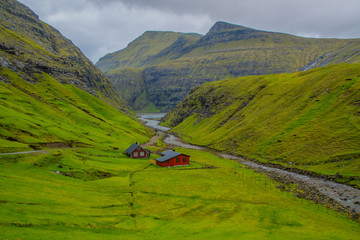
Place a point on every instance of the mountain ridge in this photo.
(143, 52)
(169, 71)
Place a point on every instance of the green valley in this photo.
(160, 68)
(307, 120)
(64, 131)
(87, 188)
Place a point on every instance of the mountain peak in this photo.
(18, 9)
(222, 26)
(225, 32)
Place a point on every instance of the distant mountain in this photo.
(308, 120)
(51, 95)
(148, 49)
(125, 68)
(159, 68)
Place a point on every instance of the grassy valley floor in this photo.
(89, 193)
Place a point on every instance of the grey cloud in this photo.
(102, 26)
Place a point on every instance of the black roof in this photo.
(133, 147)
(168, 155)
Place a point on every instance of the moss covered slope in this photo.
(169, 68)
(47, 114)
(308, 119)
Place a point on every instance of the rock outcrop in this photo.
(29, 46)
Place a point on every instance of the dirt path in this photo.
(16, 153)
(28, 152)
(153, 140)
(322, 191)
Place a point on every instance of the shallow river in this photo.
(152, 120)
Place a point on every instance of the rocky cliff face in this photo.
(29, 46)
(173, 64)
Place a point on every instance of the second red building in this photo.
(172, 158)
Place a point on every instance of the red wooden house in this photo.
(172, 158)
(135, 151)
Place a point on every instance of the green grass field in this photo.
(101, 194)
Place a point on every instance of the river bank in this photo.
(338, 196)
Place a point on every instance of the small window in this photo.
(141, 154)
(135, 154)
(184, 159)
(167, 161)
(177, 159)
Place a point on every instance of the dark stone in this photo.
(11, 139)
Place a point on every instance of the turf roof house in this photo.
(135, 151)
(171, 158)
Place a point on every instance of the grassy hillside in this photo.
(308, 120)
(169, 68)
(47, 113)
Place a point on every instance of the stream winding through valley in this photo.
(345, 197)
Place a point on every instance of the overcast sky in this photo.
(98, 27)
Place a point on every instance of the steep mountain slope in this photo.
(309, 120)
(30, 46)
(227, 50)
(51, 95)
